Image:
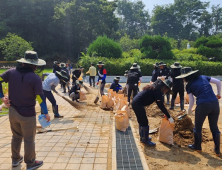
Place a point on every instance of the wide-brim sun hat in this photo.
(162, 64)
(168, 84)
(117, 78)
(62, 65)
(185, 72)
(176, 65)
(135, 66)
(100, 63)
(156, 64)
(31, 57)
(63, 74)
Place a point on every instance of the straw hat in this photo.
(100, 63)
(156, 64)
(117, 78)
(176, 65)
(63, 74)
(185, 72)
(79, 82)
(31, 57)
(162, 64)
(135, 66)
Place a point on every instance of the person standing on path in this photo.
(154, 73)
(92, 74)
(24, 88)
(207, 105)
(134, 78)
(151, 93)
(64, 83)
(178, 85)
(76, 74)
(101, 77)
(50, 83)
(164, 73)
(56, 66)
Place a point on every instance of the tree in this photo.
(217, 18)
(105, 47)
(81, 21)
(157, 47)
(128, 44)
(13, 47)
(133, 18)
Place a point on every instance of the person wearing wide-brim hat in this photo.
(101, 77)
(64, 84)
(151, 93)
(134, 78)
(207, 105)
(74, 93)
(164, 73)
(178, 85)
(56, 66)
(154, 73)
(115, 85)
(76, 74)
(50, 83)
(24, 88)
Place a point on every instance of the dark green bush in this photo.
(156, 47)
(200, 41)
(105, 47)
(214, 42)
(118, 66)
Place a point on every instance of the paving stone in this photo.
(86, 167)
(100, 166)
(73, 166)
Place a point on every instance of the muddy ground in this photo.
(179, 156)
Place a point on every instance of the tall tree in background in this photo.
(81, 21)
(217, 18)
(133, 18)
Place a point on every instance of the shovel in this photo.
(97, 98)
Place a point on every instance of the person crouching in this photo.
(151, 93)
(115, 85)
(74, 93)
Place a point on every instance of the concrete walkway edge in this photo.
(114, 166)
(142, 157)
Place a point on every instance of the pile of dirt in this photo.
(183, 132)
(153, 110)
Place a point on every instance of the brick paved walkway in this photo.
(86, 149)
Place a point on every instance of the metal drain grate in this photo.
(127, 156)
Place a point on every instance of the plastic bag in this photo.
(166, 132)
(82, 96)
(127, 109)
(122, 120)
(104, 101)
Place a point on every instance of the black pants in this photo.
(90, 80)
(134, 89)
(140, 113)
(50, 97)
(180, 90)
(210, 109)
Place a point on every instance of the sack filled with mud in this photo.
(82, 96)
(110, 103)
(111, 93)
(104, 101)
(127, 109)
(122, 120)
(166, 132)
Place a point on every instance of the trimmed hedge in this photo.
(118, 66)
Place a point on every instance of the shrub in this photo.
(214, 42)
(128, 44)
(156, 47)
(200, 41)
(118, 66)
(13, 47)
(105, 47)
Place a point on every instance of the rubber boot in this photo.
(216, 137)
(172, 104)
(145, 136)
(64, 89)
(182, 105)
(197, 141)
(168, 99)
(56, 112)
(141, 133)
